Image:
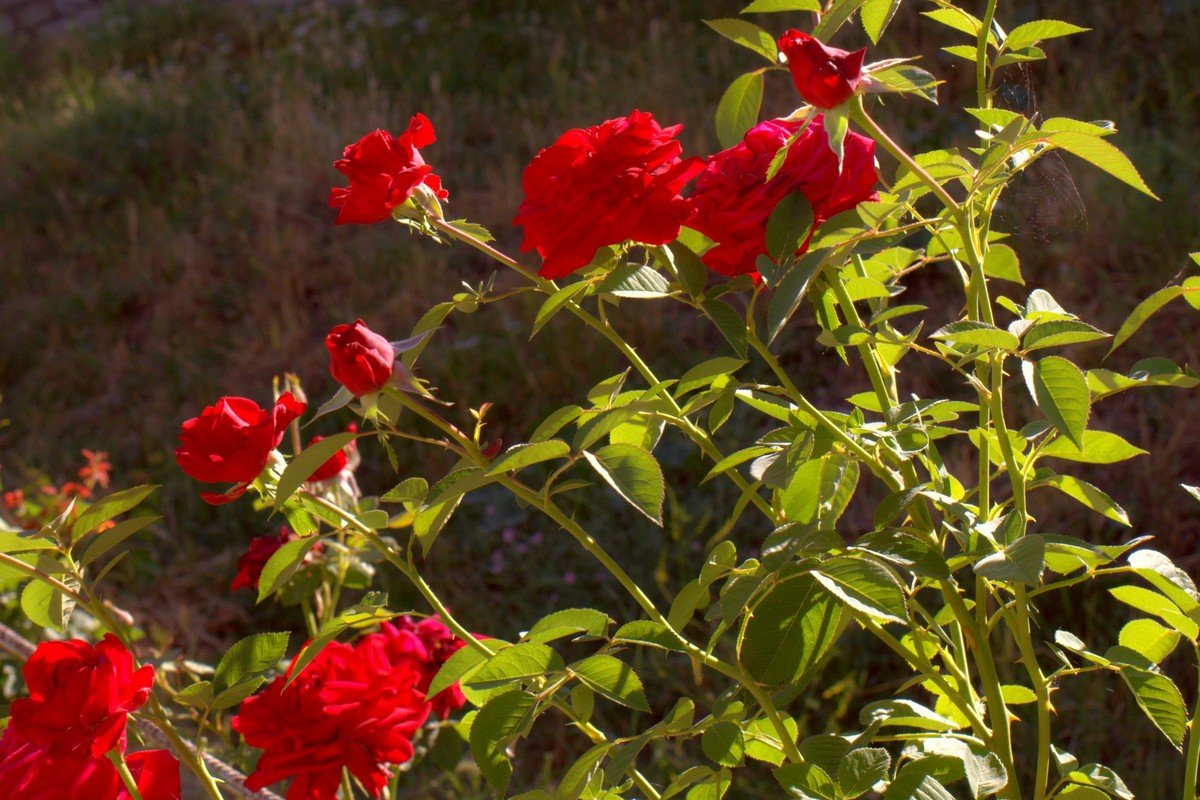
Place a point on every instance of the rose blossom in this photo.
(733, 202)
(360, 359)
(429, 644)
(28, 772)
(614, 182)
(79, 697)
(258, 553)
(231, 442)
(351, 707)
(384, 171)
(824, 76)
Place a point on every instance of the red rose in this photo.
(824, 76)
(428, 644)
(80, 696)
(384, 171)
(333, 465)
(733, 201)
(350, 708)
(616, 182)
(360, 359)
(230, 442)
(28, 772)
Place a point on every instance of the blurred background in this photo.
(164, 240)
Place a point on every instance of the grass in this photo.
(164, 240)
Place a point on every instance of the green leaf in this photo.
(771, 6)
(1169, 579)
(806, 782)
(523, 455)
(977, 334)
(737, 112)
(711, 787)
(763, 742)
(409, 490)
(866, 586)
(704, 374)
(835, 17)
(748, 35)
(914, 781)
(1103, 154)
(1059, 332)
(730, 322)
(1149, 639)
(430, 520)
(612, 678)
(905, 79)
(788, 631)
(520, 662)
(903, 713)
(635, 281)
(46, 606)
(724, 743)
(1152, 602)
(790, 291)
(282, 564)
(1159, 698)
(1031, 33)
(634, 474)
(307, 462)
(196, 695)
(108, 507)
(647, 632)
(464, 661)
(249, 657)
(1061, 392)
(861, 769)
(1090, 496)
(568, 622)
(875, 16)
(1022, 562)
(501, 719)
(104, 541)
(1142, 312)
(837, 124)
(555, 303)
(789, 226)
(24, 542)
(1099, 447)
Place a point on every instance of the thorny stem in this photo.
(1193, 742)
(548, 507)
(547, 287)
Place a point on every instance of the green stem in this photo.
(1022, 633)
(870, 459)
(859, 114)
(118, 761)
(1193, 743)
(698, 435)
(982, 96)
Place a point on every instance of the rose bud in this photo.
(80, 696)
(384, 172)
(333, 465)
(360, 359)
(824, 76)
(231, 442)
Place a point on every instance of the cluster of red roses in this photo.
(45, 501)
(58, 740)
(355, 707)
(621, 181)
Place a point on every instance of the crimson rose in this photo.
(824, 76)
(733, 202)
(351, 707)
(615, 182)
(360, 359)
(384, 171)
(28, 772)
(428, 644)
(79, 697)
(231, 442)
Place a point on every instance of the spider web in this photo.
(1043, 201)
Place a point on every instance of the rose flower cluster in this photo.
(355, 707)
(61, 739)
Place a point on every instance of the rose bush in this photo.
(798, 219)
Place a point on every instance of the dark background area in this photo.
(164, 240)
